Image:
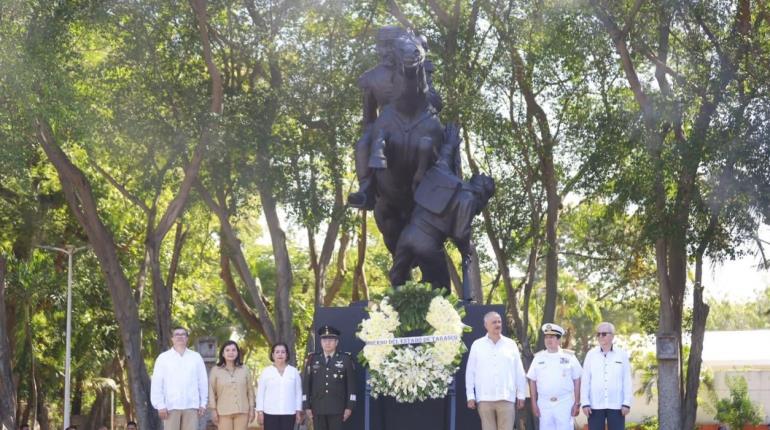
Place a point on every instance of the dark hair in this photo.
(131, 423)
(286, 347)
(179, 327)
(221, 362)
(23, 426)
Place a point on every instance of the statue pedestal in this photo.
(387, 414)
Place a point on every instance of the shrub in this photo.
(737, 410)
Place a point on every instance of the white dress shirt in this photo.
(494, 371)
(606, 379)
(279, 394)
(554, 373)
(179, 381)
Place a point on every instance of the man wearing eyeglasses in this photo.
(179, 389)
(606, 395)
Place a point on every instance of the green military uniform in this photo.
(328, 386)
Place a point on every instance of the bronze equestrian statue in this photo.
(408, 164)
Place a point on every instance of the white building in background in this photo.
(726, 354)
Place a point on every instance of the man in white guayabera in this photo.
(494, 377)
(180, 389)
(606, 394)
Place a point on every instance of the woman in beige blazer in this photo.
(231, 392)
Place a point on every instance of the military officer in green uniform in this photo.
(329, 383)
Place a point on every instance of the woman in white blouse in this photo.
(279, 392)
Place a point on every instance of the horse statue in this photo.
(405, 141)
(411, 167)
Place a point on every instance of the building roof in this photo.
(749, 348)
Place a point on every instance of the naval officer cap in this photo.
(554, 329)
(328, 332)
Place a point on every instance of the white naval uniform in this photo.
(554, 374)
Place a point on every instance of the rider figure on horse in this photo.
(379, 86)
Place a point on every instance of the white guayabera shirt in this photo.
(494, 371)
(179, 381)
(606, 379)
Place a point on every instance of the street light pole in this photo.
(70, 251)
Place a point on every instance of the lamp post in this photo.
(70, 251)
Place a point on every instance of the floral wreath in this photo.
(413, 371)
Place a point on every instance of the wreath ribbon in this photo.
(413, 340)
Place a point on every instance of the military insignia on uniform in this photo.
(339, 365)
(316, 365)
(352, 397)
(563, 360)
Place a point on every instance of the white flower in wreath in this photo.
(413, 372)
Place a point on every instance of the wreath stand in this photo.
(367, 414)
(452, 404)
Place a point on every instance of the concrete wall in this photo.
(759, 390)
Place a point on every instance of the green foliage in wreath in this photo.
(413, 372)
(412, 301)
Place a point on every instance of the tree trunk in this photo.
(283, 314)
(77, 394)
(474, 273)
(241, 306)
(332, 231)
(79, 196)
(7, 389)
(342, 270)
(161, 298)
(551, 236)
(669, 370)
(694, 361)
(359, 276)
(24, 419)
(231, 246)
(43, 419)
(545, 147)
(100, 409)
(454, 277)
(125, 400)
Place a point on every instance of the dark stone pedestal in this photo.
(386, 413)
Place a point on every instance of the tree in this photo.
(79, 195)
(7, 389)
(691, 175)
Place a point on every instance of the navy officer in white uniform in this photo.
(554, 383)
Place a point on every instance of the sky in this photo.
(738, 280)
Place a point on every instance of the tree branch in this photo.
(235, 253)
(8, 195)
(179, 239)
(443, 17)
(632, 17)
(761, 247)
(618, 38)
(397, 13)
(118, 186)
